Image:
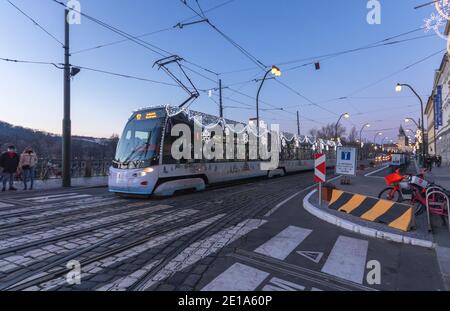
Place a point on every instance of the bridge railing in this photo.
(51, 168)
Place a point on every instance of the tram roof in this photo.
(207, 118)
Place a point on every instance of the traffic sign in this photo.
(346, 161)
(320, 168)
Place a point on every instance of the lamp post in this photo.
(375, 138)
(407, 120)
(277, 73)
(382, 143)
(360, 139)
(345, 115)
(398, 88)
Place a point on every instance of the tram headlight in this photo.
(145, 171)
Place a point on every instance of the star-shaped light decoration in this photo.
(206, 136)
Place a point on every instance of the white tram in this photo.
(144, 165)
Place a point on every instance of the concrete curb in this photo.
(370, 232)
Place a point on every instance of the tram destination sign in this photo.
(346, 161)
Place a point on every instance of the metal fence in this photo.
(51, 168)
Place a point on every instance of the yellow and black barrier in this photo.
(395, 215)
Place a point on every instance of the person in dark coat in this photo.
(9, 161)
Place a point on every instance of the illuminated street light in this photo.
(367, 125)
(345, 115)
(398, 88)
(407, 120)
(277, 73)
(375, 138)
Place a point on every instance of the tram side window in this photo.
(169, 140)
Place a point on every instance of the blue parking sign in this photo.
(346, 161)
(346, 156)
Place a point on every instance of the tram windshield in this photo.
(140, 142)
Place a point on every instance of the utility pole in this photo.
(298, 124)
(220, 95)
(66, 130)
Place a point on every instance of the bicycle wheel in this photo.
(390, 194)
(419, 209)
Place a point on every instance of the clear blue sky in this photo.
(273, 31)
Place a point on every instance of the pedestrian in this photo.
(429, 163)
(27, 164)
(9, 161)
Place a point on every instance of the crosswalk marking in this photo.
(52, 198)
(2, 205)
(136, 250)
(280, 285)
(313, 256)
(201, 249)
(238, 277)
(347, 259)
(281, 245)
(123, 283)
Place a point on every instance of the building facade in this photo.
(429, 113)
(442, 131)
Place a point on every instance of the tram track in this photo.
(63, 216)
(72, 216)
(232, 206)
(234, 217)
(154, 232)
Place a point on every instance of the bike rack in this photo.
(436, 190)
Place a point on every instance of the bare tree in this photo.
(353, 135)
(328, 131)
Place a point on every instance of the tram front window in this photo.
(140, 143)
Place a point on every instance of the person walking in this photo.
(429, 163)
(27, 164)
(9, 161)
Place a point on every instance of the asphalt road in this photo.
(253, 235)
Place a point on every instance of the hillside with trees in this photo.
(48, 145)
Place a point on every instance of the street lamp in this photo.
(360, 138)
(277, 73)
(345, 115)
(407, 120)
(398, 88)
(382, 143)
(375, 137)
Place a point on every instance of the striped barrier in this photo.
(395, 215)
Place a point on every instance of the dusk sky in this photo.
(275, 32)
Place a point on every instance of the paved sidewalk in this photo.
(371, 185)
(55, 183)
(440, 176)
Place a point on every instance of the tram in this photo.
(144, 164)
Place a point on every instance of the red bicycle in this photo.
(410, 189)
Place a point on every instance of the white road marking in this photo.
(281, 245)
(313, 256)
(279, 285)
(123, 283)
(347, 259)
(273, 210)
(100, 265)
(374, 172)
(50, 196)
(2, 205)
(66, 198)
(238, 277)
(202, 249)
